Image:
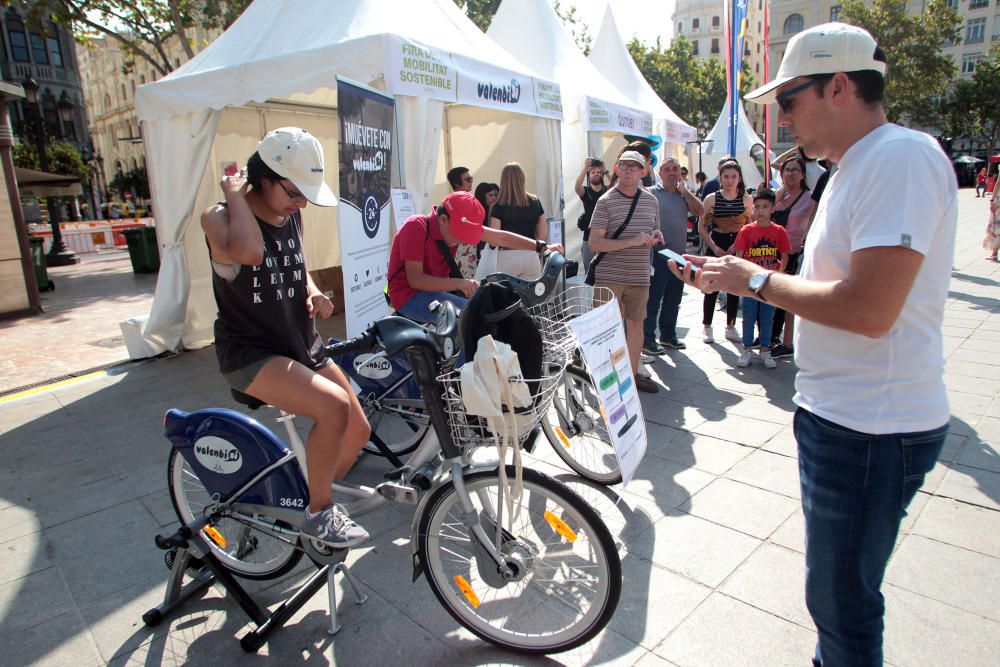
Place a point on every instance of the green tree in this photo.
(695, 88)
(63, 158)
(917, 70)
(985, 96)
(141, 28)
(135, 181)
(480, 11)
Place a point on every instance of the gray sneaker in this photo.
(333, 527)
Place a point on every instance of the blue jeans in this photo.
(855, 490)
(418, 307)
(754, 311)
(665, 292)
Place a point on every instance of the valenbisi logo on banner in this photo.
(366, 143)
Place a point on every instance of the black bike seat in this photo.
(246, 399)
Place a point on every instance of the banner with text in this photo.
(366, 126)
(599, 115)
(422, 71)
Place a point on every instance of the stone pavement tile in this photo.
(666, 485)
(105, 532)
(741, 507)
(207, 638)
(779, 411)
(695, 548)
(147, 479)
(653, 660)
(971, 385)
(913, 513)
(968, 526)
(61, 506)
(21, 412)
(971, 485)
(963, 423)
(772, 579)
(964, 579)
(988, 429)
(952, 447)
(116, 623)
(979, 345)
(737, 381)
(702, 452)
(922, 631)
(678, 415)
(990, 323)
(725, 631)
(712, 398)
(974, 356)
(973, 369)
(94, 575)
(626, 516)
(63, 478)
(159, 506)
(975, 404)
(742, 430)
(783, 443)
(653, 602)
(980, 454)
(17, 521)
(24, 555)
(768, 471)
(792, 533)
(64, 639)
(33, 599)
(608, 648)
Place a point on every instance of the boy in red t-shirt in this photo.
(766, 245)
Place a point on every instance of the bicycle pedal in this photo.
(398, 493)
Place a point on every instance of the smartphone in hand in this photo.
(670, 254)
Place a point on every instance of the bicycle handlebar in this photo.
(365, 341)
(533, 292)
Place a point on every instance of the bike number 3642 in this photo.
(291, 502)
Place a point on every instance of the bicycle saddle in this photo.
(246, 399)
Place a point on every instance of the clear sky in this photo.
(646, 19)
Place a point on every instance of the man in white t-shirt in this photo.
(873, 411)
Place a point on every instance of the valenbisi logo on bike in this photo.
(374, 369)
(218, 455)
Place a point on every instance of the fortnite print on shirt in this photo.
(281, 274)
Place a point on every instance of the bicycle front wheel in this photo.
(566, 575)
(254, 547)
(576, 430)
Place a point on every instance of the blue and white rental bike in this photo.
(541, 579)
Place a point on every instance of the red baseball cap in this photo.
(466, 216)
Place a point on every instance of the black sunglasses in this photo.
(784, 99)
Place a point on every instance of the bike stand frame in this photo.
(189, 548)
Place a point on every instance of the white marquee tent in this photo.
(459, 97)
(595, 112)
(746, 140)
(609, 54)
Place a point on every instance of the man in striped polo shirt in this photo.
(624, 267)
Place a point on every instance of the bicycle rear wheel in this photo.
(256, 546)
(567, 575)
(589, 451)
(399, 422)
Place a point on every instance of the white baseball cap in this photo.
(632, 156)
(293, 153)
(824, 49)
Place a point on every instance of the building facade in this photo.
(48, 58)
(702, 23)
(109, 96)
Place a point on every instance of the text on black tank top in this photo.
(262, 312)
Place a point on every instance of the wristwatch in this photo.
(540, 246)
(757, 282)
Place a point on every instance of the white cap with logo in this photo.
(293, 153)
(824, 49)
(632, 156)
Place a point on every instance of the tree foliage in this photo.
(135, 181)
(695, 88)
(63, 159)
(918, 69)
(985, 94)
(141, 28)
(480, 11)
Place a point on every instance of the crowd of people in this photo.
(868, 288)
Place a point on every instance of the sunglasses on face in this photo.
(294, 196)
(784, 99)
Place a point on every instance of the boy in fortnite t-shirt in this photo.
(766, 245)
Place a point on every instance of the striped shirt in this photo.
(727, 208)
(629, 266)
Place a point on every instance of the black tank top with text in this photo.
(262, 311)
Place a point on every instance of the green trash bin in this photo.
(36, 245)
(142, 249)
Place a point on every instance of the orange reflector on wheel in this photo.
(562, 437)
(215, 536)
(560, 526)
(467, 591)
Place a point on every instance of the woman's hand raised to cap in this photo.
(237, 183)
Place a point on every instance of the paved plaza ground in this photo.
(710, 531)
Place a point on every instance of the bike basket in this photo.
(472, 430)
(553, 315)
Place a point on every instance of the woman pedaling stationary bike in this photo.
(265, 335)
